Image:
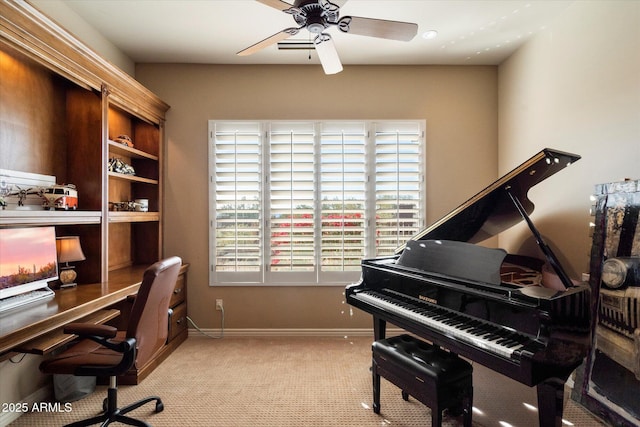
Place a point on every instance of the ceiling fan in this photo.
(318, 15)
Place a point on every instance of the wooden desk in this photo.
(18, 327)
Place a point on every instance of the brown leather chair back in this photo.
(149, 319)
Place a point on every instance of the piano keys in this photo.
(445, 288)
(487, 336)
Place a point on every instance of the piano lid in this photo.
(493, 210)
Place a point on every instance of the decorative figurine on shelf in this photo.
(118, 166)
(23, 193)
(63, 196)
(139, 205)
(124, 140)
(122, 206)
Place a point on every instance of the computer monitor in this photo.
(27, 259)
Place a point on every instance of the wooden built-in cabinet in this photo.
(134, 237)
(61, 109)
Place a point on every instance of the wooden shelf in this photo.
(125, 216)
(45, 217)
(123, 150)
(132, 178)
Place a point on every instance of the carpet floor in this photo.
(295, 381)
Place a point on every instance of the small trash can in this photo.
(68, 388)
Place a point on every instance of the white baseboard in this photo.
(293, 332)
(43, 394)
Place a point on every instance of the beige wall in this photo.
(64, 16)
(575, 87)
(458, 103)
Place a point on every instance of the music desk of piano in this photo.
(445, 288)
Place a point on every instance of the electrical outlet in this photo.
(218, 304)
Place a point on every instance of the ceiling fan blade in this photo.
(394, 30)
(276, 4)
(327, 54)
(286, 33)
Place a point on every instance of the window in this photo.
(304, 202)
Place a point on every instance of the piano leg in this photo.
(376, 387)
(550, 402)
(379, 332)
(379, 328)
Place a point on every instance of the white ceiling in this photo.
(471, 32)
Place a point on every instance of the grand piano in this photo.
(520, 316)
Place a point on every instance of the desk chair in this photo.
(105, 351)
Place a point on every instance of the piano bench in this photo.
(435, 377)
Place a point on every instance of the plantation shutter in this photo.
(236, 189)
(398, 182)
(304, 202)
(343, 180)
(291, 196)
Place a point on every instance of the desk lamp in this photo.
(69, 250)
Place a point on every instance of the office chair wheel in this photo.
(105, 404)
(159, 406)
